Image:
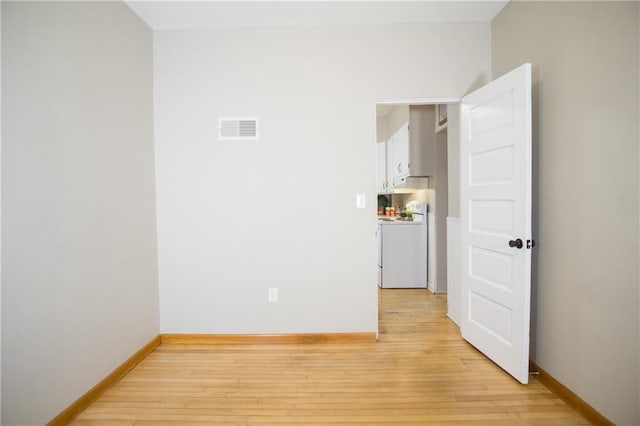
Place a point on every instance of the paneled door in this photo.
(495, 191)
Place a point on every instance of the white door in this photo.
(495, 192)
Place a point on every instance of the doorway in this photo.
(494, 189)
(431, 176)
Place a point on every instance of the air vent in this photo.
(238, 128)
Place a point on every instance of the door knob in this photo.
(516, 243)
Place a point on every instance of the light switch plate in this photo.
(273, 295)
(361, 201)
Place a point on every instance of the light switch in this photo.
(361, 201)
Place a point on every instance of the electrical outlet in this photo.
(273, 295)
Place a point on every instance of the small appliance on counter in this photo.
(419, 210)
(402, 250)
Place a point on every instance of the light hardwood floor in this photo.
(420, 372)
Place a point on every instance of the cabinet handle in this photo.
(399, 167)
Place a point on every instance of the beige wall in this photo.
(217, 261)
(79, 270)
(585, 309)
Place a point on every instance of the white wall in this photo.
(79, 273)
(216, 260)
(585, 57)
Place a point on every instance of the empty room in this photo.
(192, 207)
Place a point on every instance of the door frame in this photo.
(404, 101)
(417, 101)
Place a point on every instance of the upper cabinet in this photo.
(382, 182)
(409, 151)
(400, 155)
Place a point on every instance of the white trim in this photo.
(411, 101)
(417, 101)
(432, 253)
(454, 266)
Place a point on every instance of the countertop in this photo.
(384, 220)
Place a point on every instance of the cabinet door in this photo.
(381, 169)
(399, 167)
(404, 256)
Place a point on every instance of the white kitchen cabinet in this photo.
(383, 183)
(409, 155)
(400, 161)
(402, 254)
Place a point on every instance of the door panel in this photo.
(400, 154)
(491, 166)
(495, 190)
(492, 267)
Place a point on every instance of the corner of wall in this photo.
(1, 5)
(638, 238)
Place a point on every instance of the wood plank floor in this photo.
(420, 372)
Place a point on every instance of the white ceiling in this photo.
(170, 15)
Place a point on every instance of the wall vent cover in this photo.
(238, 128)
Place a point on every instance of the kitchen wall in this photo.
(398, 116)
(423, 195)
(79, 268)
(217, 261)
(585, 57)
(453, 160)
